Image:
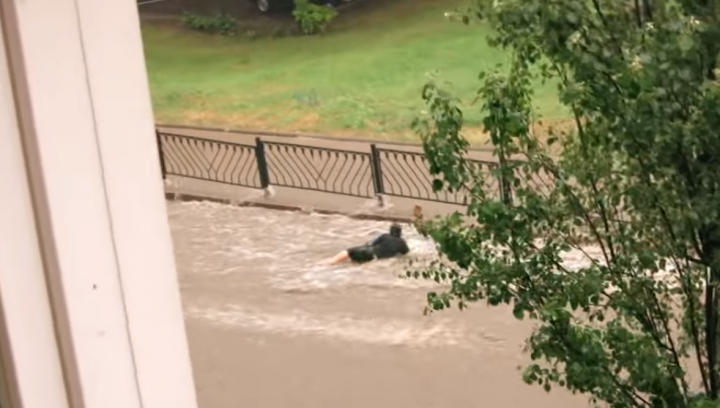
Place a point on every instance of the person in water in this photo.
(387, 245)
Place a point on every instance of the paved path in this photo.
(360, 145)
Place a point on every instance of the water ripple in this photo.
(340, 327)
(285, 247)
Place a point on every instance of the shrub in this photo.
(313, 18)
(220, 23)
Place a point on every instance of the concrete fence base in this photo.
(177, 196)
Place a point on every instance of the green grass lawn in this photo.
(363, 78)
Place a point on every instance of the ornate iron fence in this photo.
(320, 169)
(361, 174)
(407, 174)
(212, 160)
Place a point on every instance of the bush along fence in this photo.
(373, 174)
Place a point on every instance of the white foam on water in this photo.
(380, 274)
(340, 327)
(576, 259)
(374, 205)
(285, 247)
(273, 255)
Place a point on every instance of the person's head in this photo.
(396, 230)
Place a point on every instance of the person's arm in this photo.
(404, 250)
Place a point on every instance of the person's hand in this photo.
(419, 221)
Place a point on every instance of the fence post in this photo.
(376, 168)
(505, 192)
(505, 185)
(161, 153)
(262, 164)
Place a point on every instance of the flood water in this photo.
(269, 327)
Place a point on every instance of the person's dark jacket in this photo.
(388, 246)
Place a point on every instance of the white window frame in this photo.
(90, 312)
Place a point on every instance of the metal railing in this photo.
(212, 160)
(316, 168)
(370, 174)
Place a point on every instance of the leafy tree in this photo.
(634, 186)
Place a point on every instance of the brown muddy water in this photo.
(269, 328)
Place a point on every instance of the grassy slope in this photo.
(363, 78)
